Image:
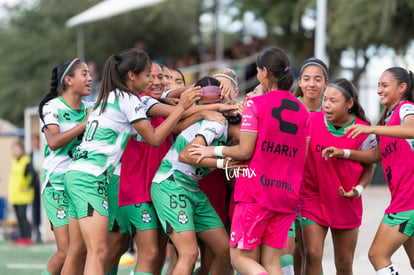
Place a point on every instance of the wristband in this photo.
(220, 164)
(347, 153)
(218, 151)
(359, 189)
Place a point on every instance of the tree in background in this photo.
(36, 37)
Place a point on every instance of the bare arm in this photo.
(57, 139)
(204, 114)
(177, 92)
(155, 137)
(365, 178)
(163, 110)
(365, 156)
(401, 131)
(186, 157)
(243, 151)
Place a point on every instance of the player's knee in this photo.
(188, 255)
(151, 253)
(373, 256)
(313, 256)
(344, 266)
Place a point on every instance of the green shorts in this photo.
(141, 215)
(404, 219)
(292, 232)
(117, 219)
(56, 206)
(86, 193)
(181, 209)
(305, 221)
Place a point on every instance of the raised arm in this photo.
(243, 151)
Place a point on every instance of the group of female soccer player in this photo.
(130, 165)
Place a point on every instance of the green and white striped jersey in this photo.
(107, 134)
(58, 112)
(186, 175)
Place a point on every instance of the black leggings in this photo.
(24, 225)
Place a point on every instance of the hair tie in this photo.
(67, 70)
(286, 69)
(117, 57)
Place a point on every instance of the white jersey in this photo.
(56, 162)
(187, 175)
(107, 134)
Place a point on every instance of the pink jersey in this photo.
(398, 164)
(138, 166)
(274, 173)
(319, 196)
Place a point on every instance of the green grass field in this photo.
(30, 260)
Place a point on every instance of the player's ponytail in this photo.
(53, 92)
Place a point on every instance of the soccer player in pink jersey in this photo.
(330, 197)
(312, 81)
(273, 139)
(396, 131)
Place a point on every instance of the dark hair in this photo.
(313, 61)
(233, 119)
(57, 78)
(277, 63)
(116, 71)
(181, 73)
(402, 76)
(207, 81)
(349, 91)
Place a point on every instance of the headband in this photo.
(312, 63)
(211, 90)
(67, 69)
(342, 90)
(228, 77)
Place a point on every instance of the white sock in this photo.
(388, 270)
(288, 270)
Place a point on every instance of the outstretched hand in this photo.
(225, 108)
(332, 152)
(189, 96)
(214, 116)
(356, 129)
(203, 151)
(226, 89)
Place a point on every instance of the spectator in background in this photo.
(20, 191)
(36, 162)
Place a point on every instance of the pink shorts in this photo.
(254, 224)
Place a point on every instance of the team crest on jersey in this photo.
(61, 213)
(146, 216)
(182, 217)
(55, 116)
(105, 203)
